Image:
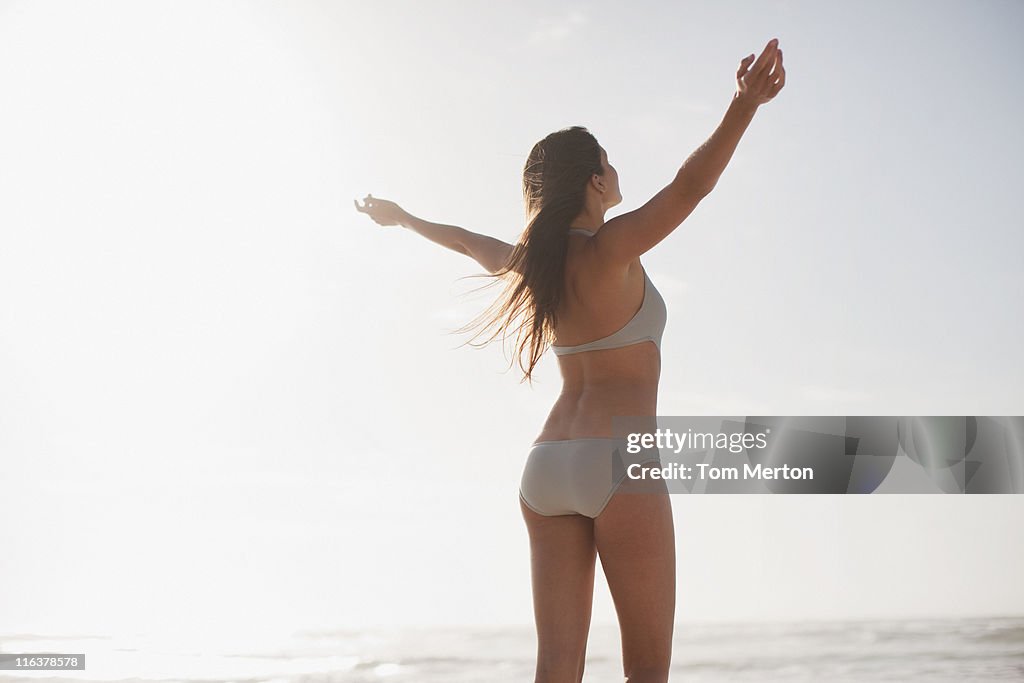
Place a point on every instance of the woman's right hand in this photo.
(382, 211)
(756, 81)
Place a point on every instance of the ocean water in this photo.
(927, 650)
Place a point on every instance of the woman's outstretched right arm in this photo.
(626, 237)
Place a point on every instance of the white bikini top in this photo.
(647, 324)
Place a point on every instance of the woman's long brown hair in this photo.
(555, 182)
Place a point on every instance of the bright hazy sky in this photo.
(225, 393)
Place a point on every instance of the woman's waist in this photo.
(600, 414)
(638, 385)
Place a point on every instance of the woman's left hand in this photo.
(382, 211)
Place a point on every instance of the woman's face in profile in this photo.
(612, 195)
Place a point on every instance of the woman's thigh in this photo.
(562, 560)
(635, 539)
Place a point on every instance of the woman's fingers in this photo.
(778, 67)
(764, 62)
(780, 75)
(374, 212)
(764, 78)
(381, 211)
(761, 79)
(744, 65)
(367, 203)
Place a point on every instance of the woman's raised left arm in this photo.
(489, 252)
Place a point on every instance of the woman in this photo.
(576, 284)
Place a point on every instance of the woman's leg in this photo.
(635, 539)
(562, 557)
